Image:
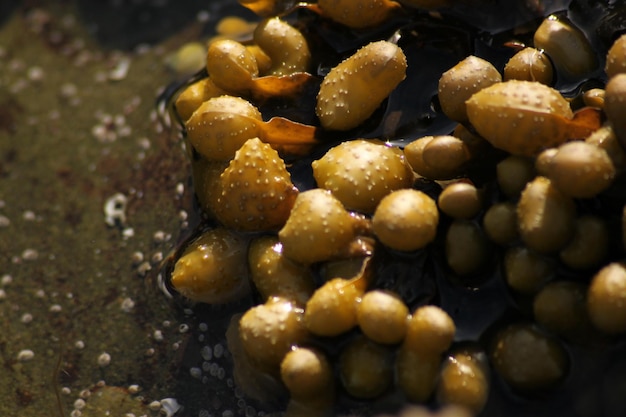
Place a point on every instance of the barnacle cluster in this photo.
(395, 251)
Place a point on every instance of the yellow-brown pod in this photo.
(219, 127)
(594, 97)
(566, 45)
(464, 381)
(275, 275)
(520, 117)
(500, 223)
(234, 27)
(352, 90)
(440, 157)
(606, 299)
(460, 200)
(580, 169)
(529, 64)
(268, 332)
(605, 138)
(460, 82)
(616, 57)
(417, 373)
(263, 60)
(467, 247)
(527, 359)
(525, 270)
(308, 375)
(382, 316)
(206, 182)
(255, 191)
(255, 382)
(332, 309)
(361, 172)
(194, 95)
(406, 220)
(358, 14)
(430, 331)
(546, 217)
(319, 228)
(285, 45)
(188, 59)
(513, 173)
(365, 368)
(446, 155)
(231, 66)
(213, 268)
(615, 105)
(561, 308)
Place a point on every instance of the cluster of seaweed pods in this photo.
(466, 252)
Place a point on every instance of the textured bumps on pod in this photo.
(231, 66)
(332, 310)
(352, 90)
(580, 169)
(529, 64)
(460, 82)
(520, 117)
(406, 220)
(213, 269)
(545, 216)
(318, 228)
(269, 330)
(285, 45)
(275, 275)
(361, 172)
(255, 191)
(606, 299)
(219, 127)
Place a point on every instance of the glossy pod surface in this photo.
(422, 232)
(520, 117)
(353, 89)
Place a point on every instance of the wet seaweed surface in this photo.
(480, 305)
(84, 328)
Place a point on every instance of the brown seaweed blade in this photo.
(287, 136)
(281, 86)
(267, 8)
(585, 121)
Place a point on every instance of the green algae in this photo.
(70, 289)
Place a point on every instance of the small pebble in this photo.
(158, 335)
(104, 359)
(25, 355)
